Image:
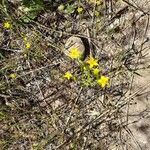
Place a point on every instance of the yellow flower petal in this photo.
(103, 81)
(75, 53)
(13, 75)
(28, 45)
(92, 62)
(80, 9)
(68, 75)
(7, 25)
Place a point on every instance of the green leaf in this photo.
(70, 9)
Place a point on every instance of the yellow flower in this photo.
(80, 10)
(28, 45)
(92, 62)
(75, 53)
(13, 75)
(96, 71)
(68, 75)
(7, 25)
(103, 81)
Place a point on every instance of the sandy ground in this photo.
(140, 111)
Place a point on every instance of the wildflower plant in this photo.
(90, 73)
(32, 48)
